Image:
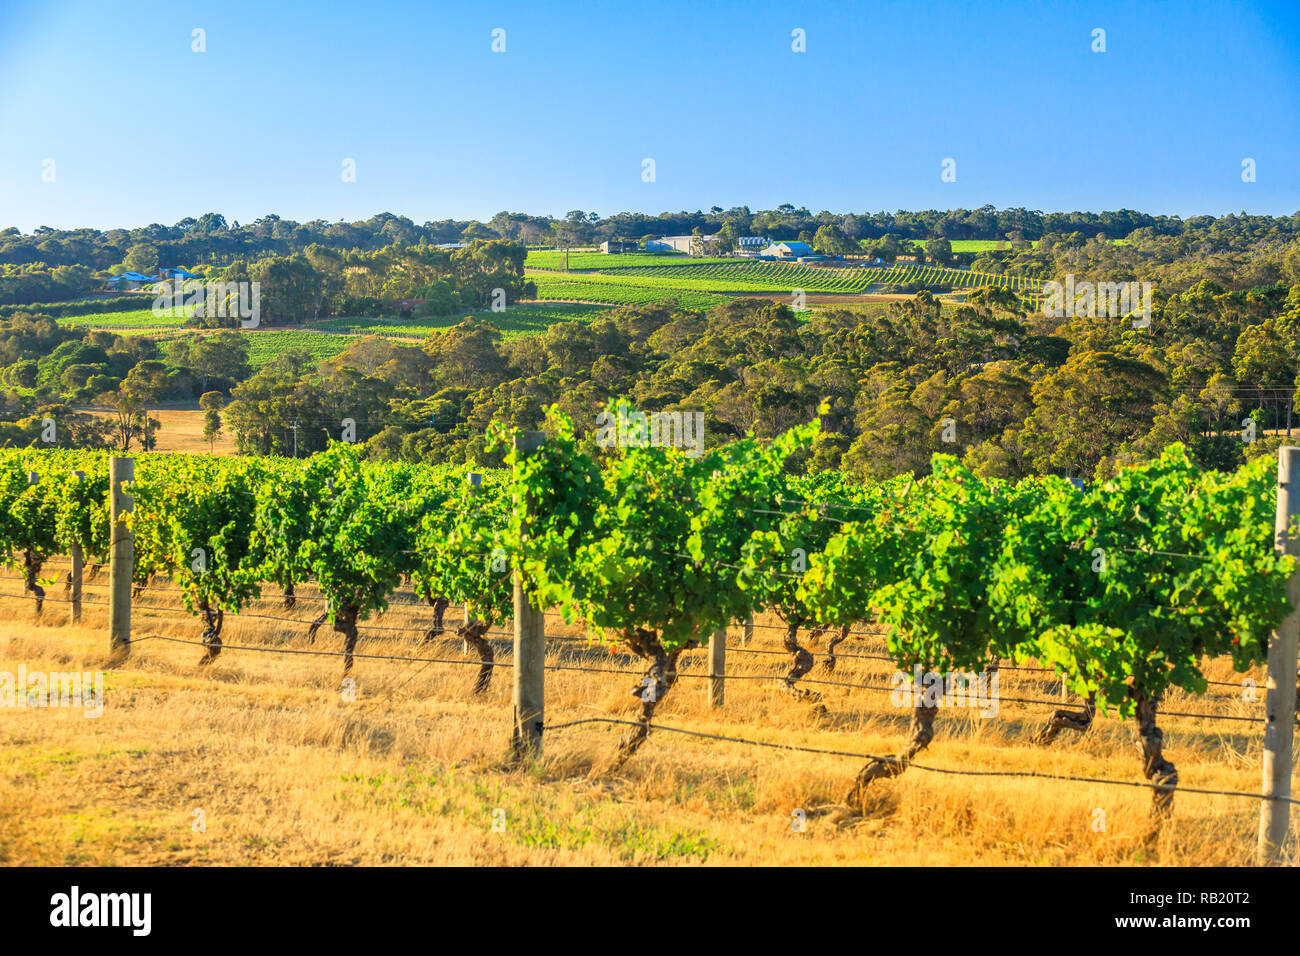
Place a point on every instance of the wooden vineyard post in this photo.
(717, 667)
(748, 634)
(78, 569)
(30, 581)
(121, 557)
(1280, 694)
(476, 485)
(530, 646)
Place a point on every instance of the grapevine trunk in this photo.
(439, 606)
(919, 737)
(31, 568)
(138, 589)
(316, 625)
(472, 633)
(658, 680)
(1150, 741)
(801, 663)
(211, 632)
(833, 643)
(346, 624)
(1077, 720)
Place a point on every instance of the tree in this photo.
(211, 403)
(887, 249)
(476, 230)
(726, 237)
(289, 287)
(262, 407)
(939, 251)
(467, 352)
(1262, 362)
(141, 257)
(831, 241)
(1087, 409)
(565, 235)
(144, 385)
(223, 355)
(212, 222)
(130, 402)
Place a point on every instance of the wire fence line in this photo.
(810, 628)
(159, 609)
(416, 603)
(682, 673)
(800, 748)
(738, 650)
(508, 664)
(315, 653)
(423, 631)
(490, 664)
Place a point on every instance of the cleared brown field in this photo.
(181, 429)
(281, 768)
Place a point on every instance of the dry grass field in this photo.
(259, 759)
(181, 429)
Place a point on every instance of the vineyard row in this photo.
(1124, 590)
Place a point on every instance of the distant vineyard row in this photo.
(587, 287)
(778, 276)
(554, 259)
(774, 277)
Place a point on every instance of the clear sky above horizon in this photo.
(142, 129)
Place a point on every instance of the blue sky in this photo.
(143, 130)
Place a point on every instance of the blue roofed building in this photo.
(134, 281)
(788, 250)
(176, 273)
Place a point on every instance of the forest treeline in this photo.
(993, 380)
(51, 265)
(1011, 391)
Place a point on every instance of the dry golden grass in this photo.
(286, 771)
(181, 429)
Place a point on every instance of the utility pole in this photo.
(294, 425)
